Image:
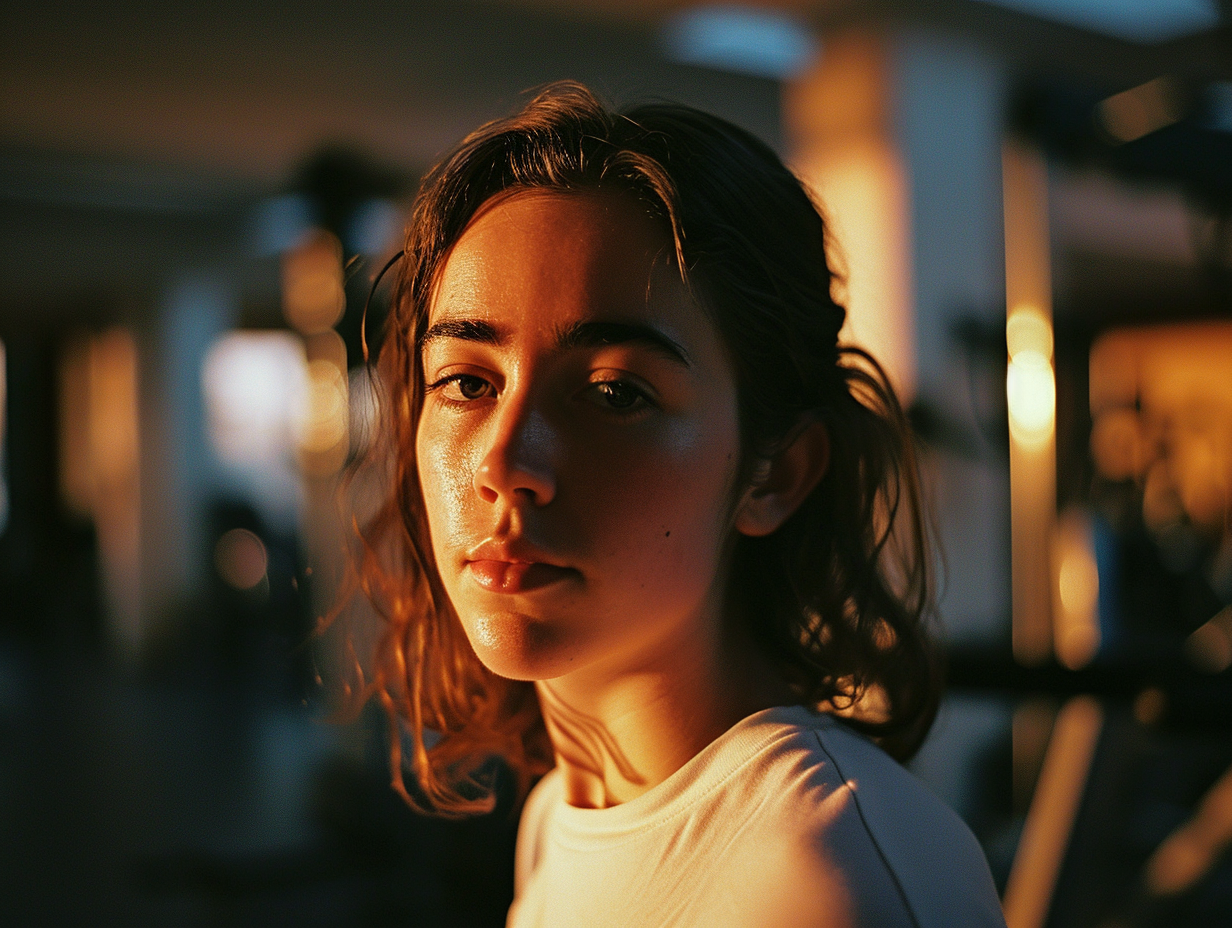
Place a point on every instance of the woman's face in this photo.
(578, 444)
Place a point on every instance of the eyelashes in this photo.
(461, 388)
(619, 396)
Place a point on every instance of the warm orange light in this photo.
(1031, 395)
(326, 422)
(1141, 110)
(839, 120)
(100, 464)
(1030, 389)
(1030, 386)
(313, 297)
(1150, 705)
(1050, 820)
(1187, 854)
(1161, 404)
(1118, 445)
(1076, 612)
(1028, 329)
(863, 195)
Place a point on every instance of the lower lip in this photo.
(515, 577)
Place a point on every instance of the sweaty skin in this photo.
(578, 452)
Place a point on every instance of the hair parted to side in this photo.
(838, 597)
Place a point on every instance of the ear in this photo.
(782, 481)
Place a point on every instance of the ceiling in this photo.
(235, 93)
(231, 94)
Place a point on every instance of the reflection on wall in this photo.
(100, 473)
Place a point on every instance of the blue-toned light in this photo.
(374, 227)
(1219, 103)
(278, 224)
(733, 38)
(1135, 20)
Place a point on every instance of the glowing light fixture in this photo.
(734, 38)
(1031, 400)
(1029, 384)
(275, 399)
(255, 391)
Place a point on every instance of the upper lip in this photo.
(512, 550)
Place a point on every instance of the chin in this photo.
(518, 647)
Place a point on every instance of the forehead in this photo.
(592, 252)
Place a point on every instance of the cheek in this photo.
(444, 465)
(667, 501)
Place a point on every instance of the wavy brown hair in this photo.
(838, 597)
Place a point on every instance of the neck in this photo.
(617, 736)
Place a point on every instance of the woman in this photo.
(653, 532)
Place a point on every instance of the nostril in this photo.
(518, 464)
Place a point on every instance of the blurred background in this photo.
(1033, 205)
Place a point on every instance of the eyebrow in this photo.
(468, 330)
(601, 334)
(577, 335)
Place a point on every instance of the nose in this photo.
(517, 463)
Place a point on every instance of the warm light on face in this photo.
(578, 442)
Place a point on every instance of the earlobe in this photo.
(783, 481)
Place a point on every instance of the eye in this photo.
(462, 388)
(618, 395)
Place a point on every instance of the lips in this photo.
(515, 576)
(511, 566)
